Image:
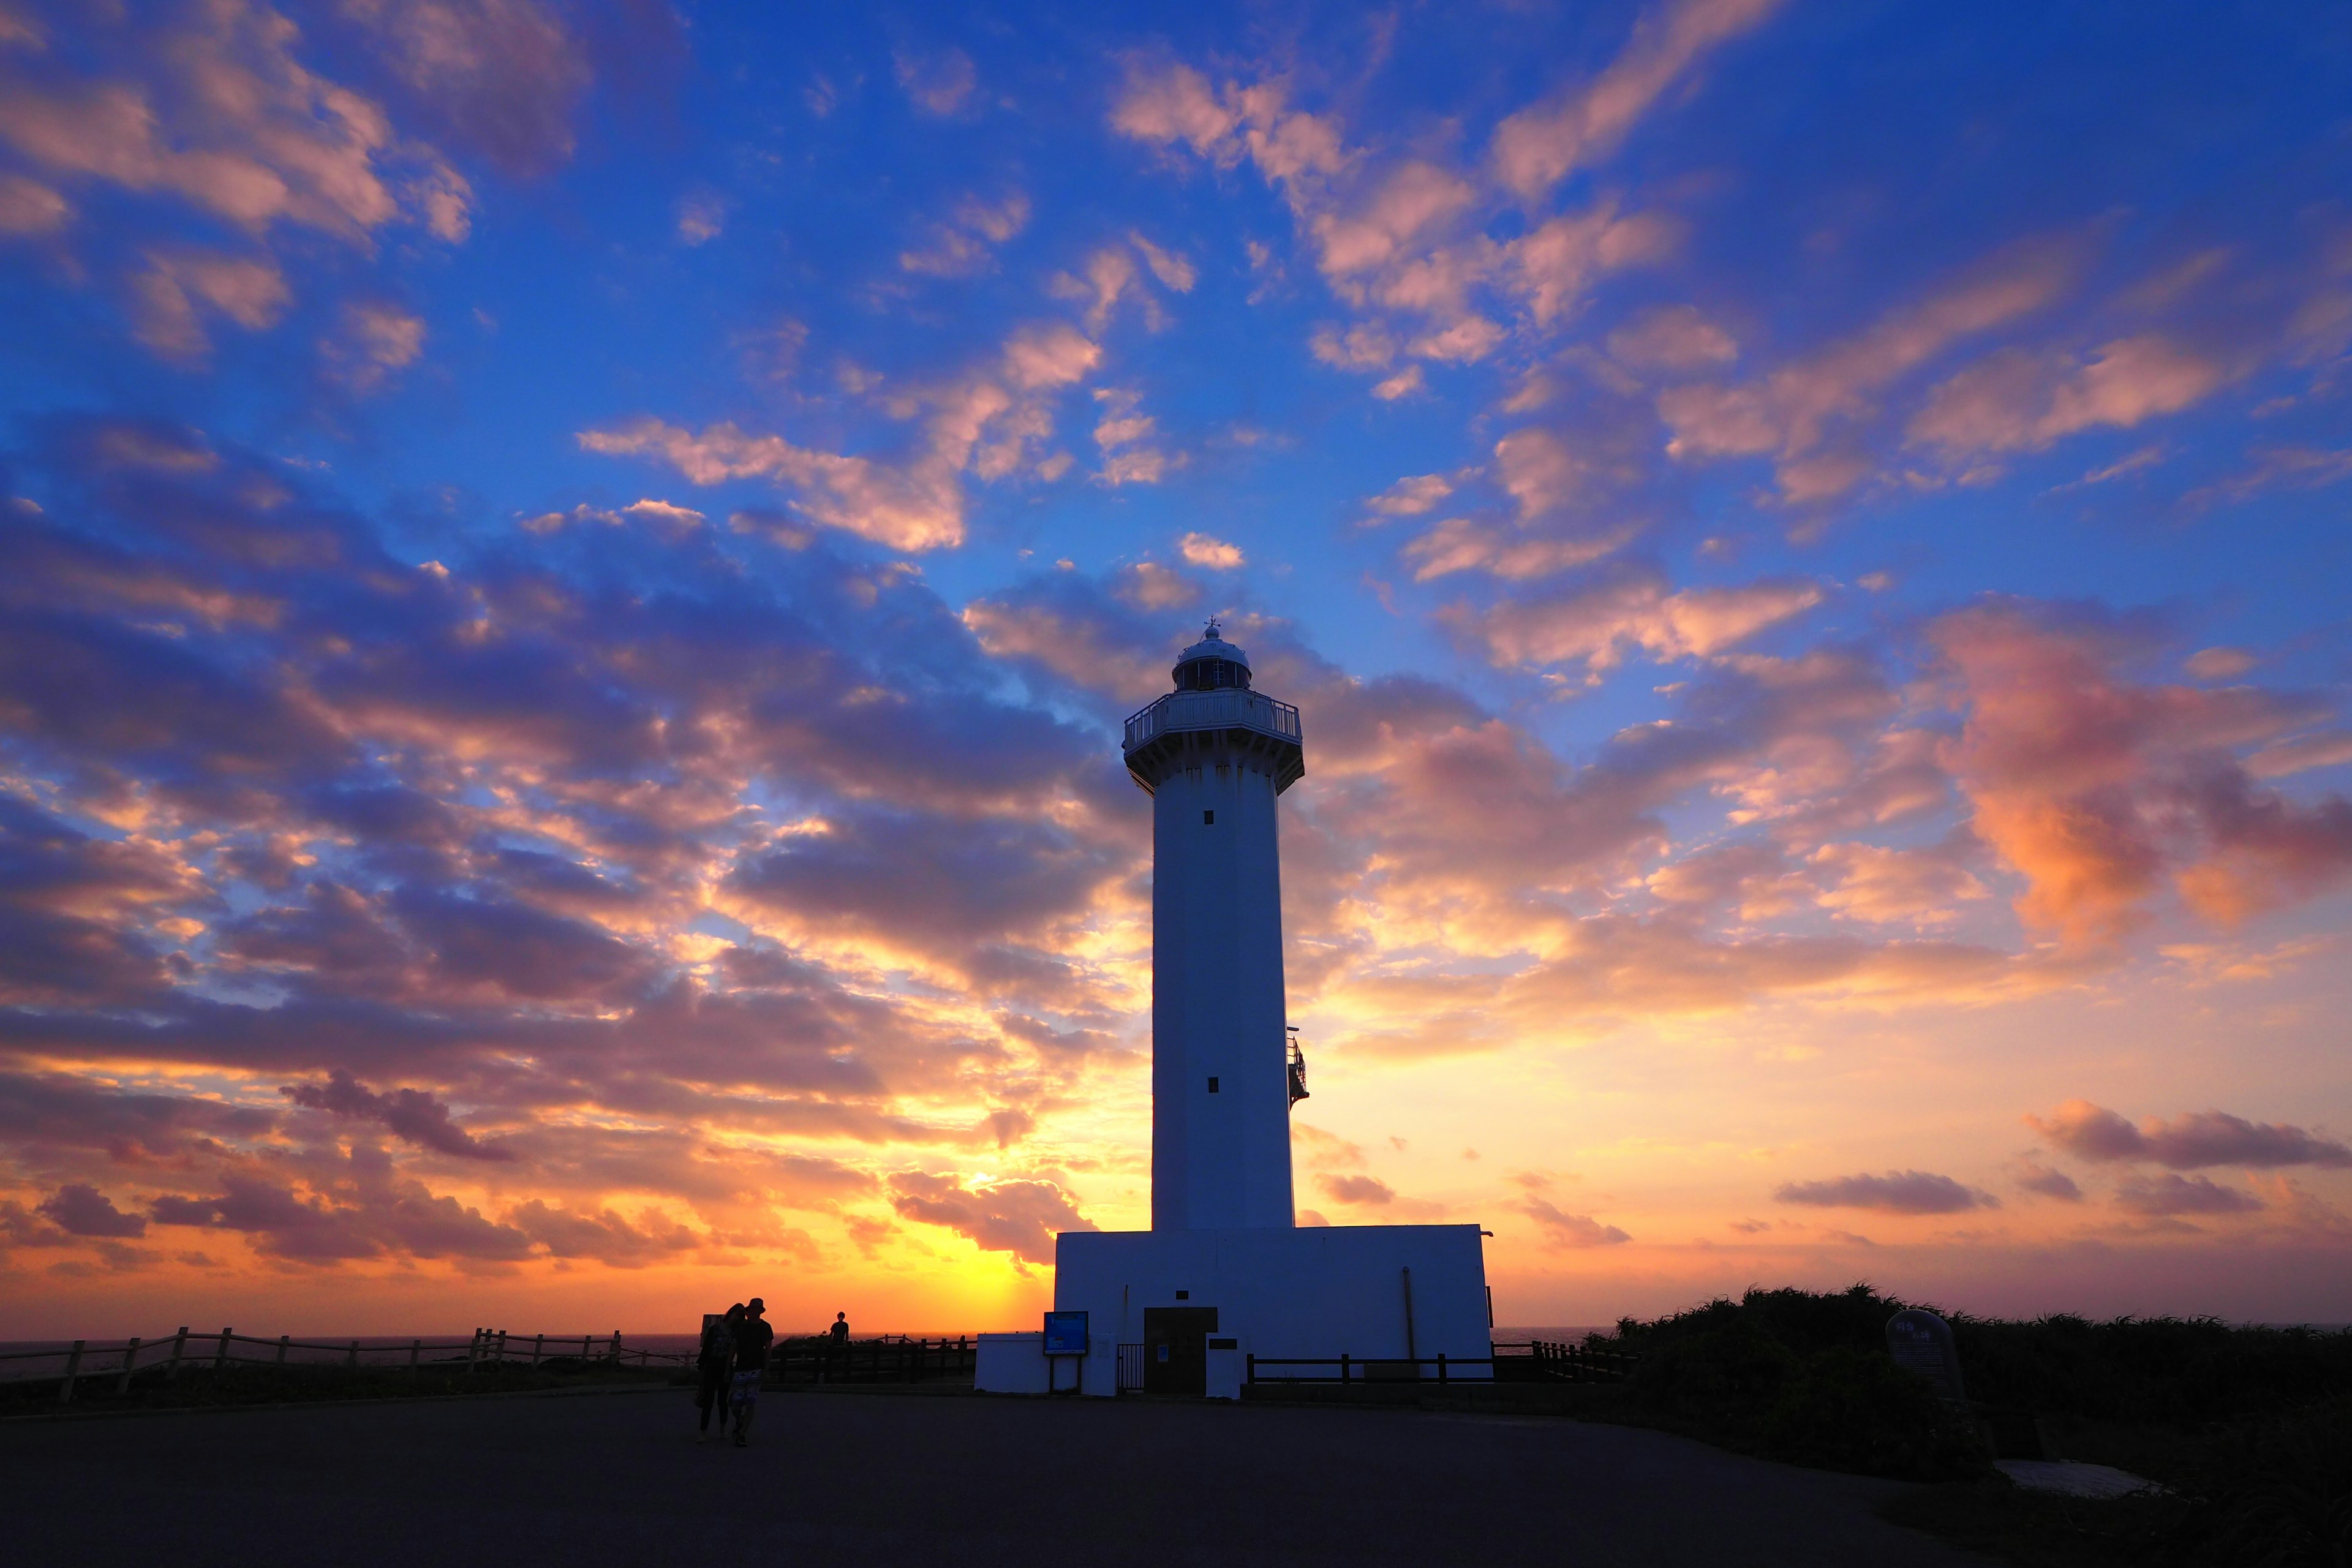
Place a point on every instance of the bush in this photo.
(1803, 1378)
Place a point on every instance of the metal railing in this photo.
(1533, 1361)
(1212, 711)
(89, 1361)
(816, 1359)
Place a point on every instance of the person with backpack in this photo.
(713, 1364)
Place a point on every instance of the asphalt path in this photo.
(854, 1480)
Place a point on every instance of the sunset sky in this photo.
(572, 569)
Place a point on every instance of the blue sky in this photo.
(1808, 539)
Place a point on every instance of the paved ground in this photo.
(857, 1480)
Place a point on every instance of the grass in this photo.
(2249, 1430)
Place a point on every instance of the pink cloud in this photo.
(2188, 1143)
(1536, 148)
(250, 290)
(1598, 625)
(252, 134)
(503, 77)
(2095, 786)
(1797, 413)
(1020, 1217)
(375, 340)
(1672, 338)
(30, 207)
(2018, 401)
(938, 84)
(1560, 1229)
(1896, 1192)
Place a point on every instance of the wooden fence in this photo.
(91, 1361)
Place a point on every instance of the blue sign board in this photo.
(1066, 1333)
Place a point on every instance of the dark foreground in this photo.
(872, 1479)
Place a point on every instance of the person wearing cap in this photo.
(752, 1336)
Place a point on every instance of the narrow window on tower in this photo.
(1208, 819)
(1212, 1086)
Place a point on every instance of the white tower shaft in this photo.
(1220, 1073)
(1216, 755)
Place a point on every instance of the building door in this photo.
(1176, 1349)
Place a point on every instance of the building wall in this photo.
(1319, 1291)
(1222, 1159)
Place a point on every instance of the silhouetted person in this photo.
(836, 1344)
(712, 1363)
(751, 1337)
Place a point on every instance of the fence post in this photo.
(220, 1356)
(179, 1346)
(537, 1342)
(353, 1362)
(473, 1349)
(1252, 1359)
(1440, 1369)
(130, 1359)
(1343, 1369)
(73, 1370)
(617, 1350)
(584, 1352)
(502, 1350)
(415, 1349)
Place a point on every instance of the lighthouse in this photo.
(1216, 755)
(1226, 1282)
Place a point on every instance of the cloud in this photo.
(603, 1235)
(215, 110)
(1805, 414)
(1412, 496)
(29, 207)
(1174, 271)
(504, 78)
(2095, 786)
(2218, 663)
(1570, 1229)
(166, 296)
(1598, 624)
(80, 1209)
(375, 340)
(1672, 338)
(1125, 435)
(411, 1115)
(2018, 401)
(1896, 1192)
(2043, 1181)
(2167, 1196)
(959, 247)
(1213, 554)
(701, 216)
(938, 84)
(1020, 1217)
(1536, 147)
(1357, 1189)
(991, 422)
(2275, 468)
(2187, 1142)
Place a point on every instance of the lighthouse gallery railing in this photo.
(1212, 711)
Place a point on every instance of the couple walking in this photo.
(734, 1358)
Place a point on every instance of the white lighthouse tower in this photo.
(1226, 1279)
(1214, 755)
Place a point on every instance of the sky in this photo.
(572, 570)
